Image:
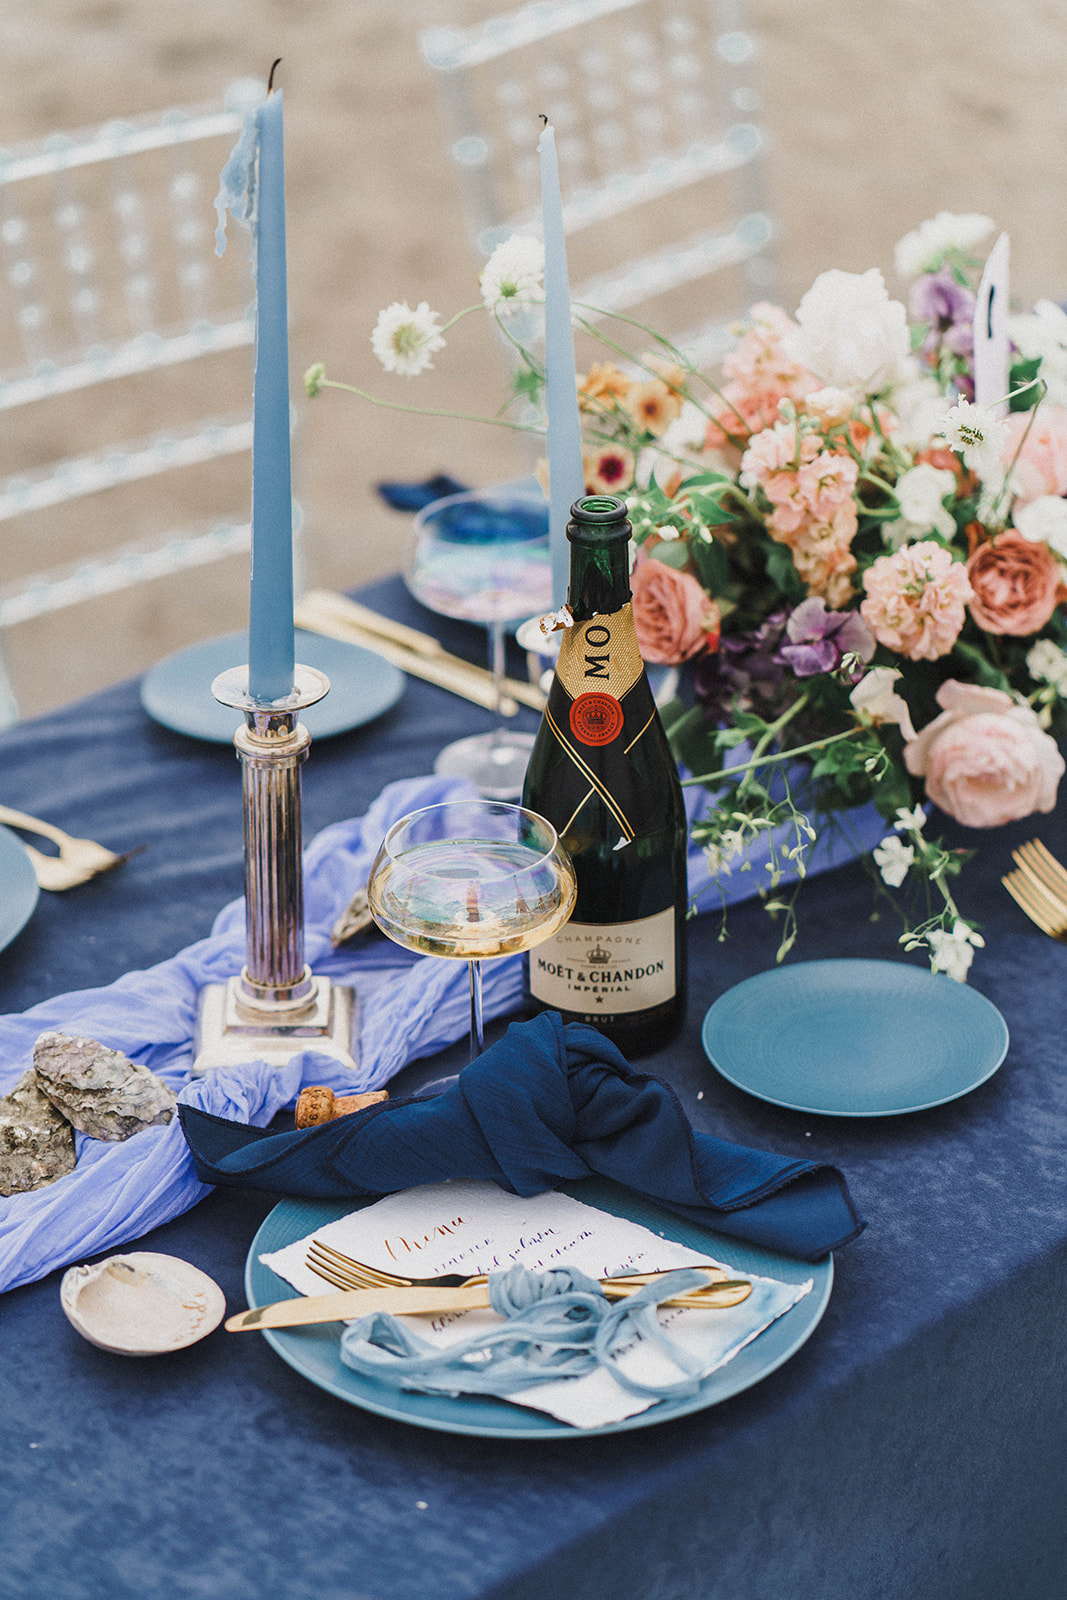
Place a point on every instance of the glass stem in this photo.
(496, 667)
(477, 1033)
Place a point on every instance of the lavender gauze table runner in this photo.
(410, 1007)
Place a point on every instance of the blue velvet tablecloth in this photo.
(915, 1448)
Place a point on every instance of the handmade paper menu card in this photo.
(474, 1227)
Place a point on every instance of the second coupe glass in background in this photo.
(483, 556)
(471, 879)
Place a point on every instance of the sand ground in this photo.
(879, 112)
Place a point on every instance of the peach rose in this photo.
(673, 616)
(1016, 584)
(1042, 464)
(986, 760)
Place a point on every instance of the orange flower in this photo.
(672, 374)
(652, 406)
(603, 385)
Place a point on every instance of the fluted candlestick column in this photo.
(277, 1006)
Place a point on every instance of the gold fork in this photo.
(78, 859)
(1040, 863)
(344, 1272)
(1039, 886)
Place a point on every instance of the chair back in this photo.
(107, 241)
(656, 119)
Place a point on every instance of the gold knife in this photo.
(321, 611)
(306, 1309)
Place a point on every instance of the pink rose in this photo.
(986, 760)
(1016, 584)
(673, 616)
(1042, 464)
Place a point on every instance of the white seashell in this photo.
(141, 1304)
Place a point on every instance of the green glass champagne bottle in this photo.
(602, 772)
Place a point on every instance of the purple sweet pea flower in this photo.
(746, 667)
(936, 297)
(819, 639)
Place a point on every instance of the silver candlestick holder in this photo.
(277, 1006)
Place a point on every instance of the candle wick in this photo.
(270, 80)
(544, 119)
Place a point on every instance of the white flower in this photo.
(925, 248)
(1044, 521)
(851, 335)
(919, 406)
(1042, 333)
(877, 701)
(914, 820)
(719, 853)
(920, 493)
(732, 842)
(829, 407)
(978, 435)
(514, 274)
(953, 952)
(404, 340)
(1047, 663)
(893, 857)
(687, 432)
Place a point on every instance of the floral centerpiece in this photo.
(864, 569)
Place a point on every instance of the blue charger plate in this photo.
(18, 887)
(854, 1038)
(176, 692)
(315, 1352)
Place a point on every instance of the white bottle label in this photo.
(606, 969)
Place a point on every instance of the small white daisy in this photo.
(978, 435)
(405, 341)
(514, 274)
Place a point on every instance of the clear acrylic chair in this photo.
(113, 290)
(656, 118)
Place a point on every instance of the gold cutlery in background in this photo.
(420, 654)
(1039, 886)
(78, 859)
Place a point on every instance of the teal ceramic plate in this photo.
(177, 690)
(18, 887)
(315, 1352)
(854, 1038)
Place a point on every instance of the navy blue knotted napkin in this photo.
(413, 496)
(548, 1102)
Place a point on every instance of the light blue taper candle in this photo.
(566, 475)
(270, 612)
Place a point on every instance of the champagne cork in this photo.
(319, 1104)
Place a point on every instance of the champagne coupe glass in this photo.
(471, 879)
(483, 556)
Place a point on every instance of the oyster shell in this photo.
(36, 1142)
(99, 1090)
(141, 1304)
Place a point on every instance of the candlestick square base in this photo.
(230, 1031)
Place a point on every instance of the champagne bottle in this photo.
(602, 772)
